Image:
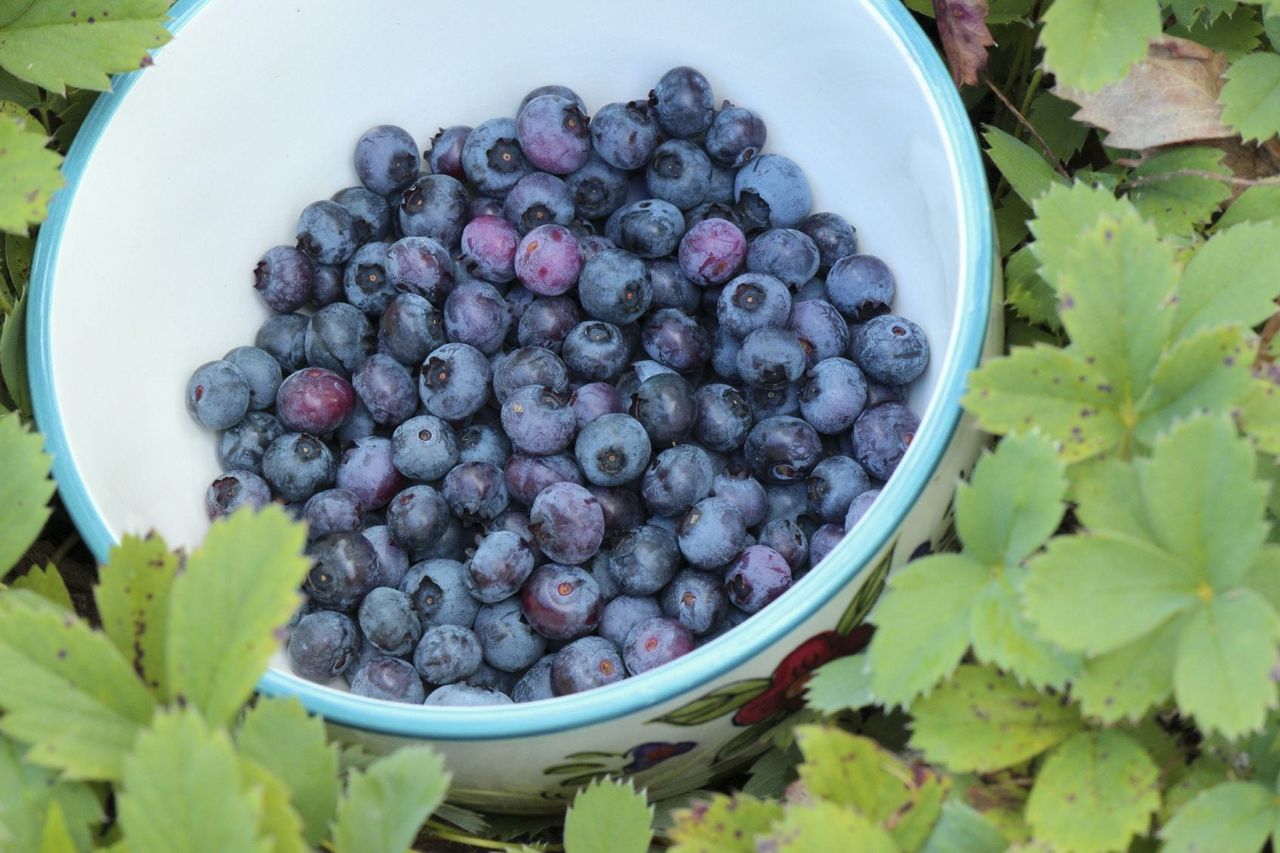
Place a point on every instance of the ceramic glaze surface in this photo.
(185, 174)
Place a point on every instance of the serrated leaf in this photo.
(1053, 118)
(1026, 169)
(1222, 675)
(1063, 214)
(1230, 279)
(1125, 683)
(284, 739)
(182, 790)
(771, 773)
(1187, 783)
(28, 792)
(280, 823)
(133, 601)
(1259, 414)
(1233, 34)
(235, 592)
(922, 625)
(1011, 215)
(19, 252)
(1177, 204)
(962, 829)
(608, 816)
(1028, 293)
(56, 837)
(1013, 502)
(1263, 576)
(25, 489)
(46, 583)
(1088, 43)
(1256, 204)
(384, 806)
(842, 684)
(1002, 636)
(1251, 96)
(1109, 499)
(1230, 816)
(723, 824)
(1052, 390)
(1094, 793)
(29, 174)
(1200, 12)
(1008, 11)
(59, 43)
(823, 826)
(13, 356)
(68, 692)
(984, 720)
(19, 91)
(1205, 372)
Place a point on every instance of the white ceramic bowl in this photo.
(186, 172)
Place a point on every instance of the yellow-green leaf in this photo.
(280, 822)
(385, 805)
(962, 829)
(56, 837)
(47, 583)
(1251, 97)
(843, 683)
(133, 601)
(1256, 204)
(25, 488)
(723, 824)
(1179, 203)
(1002, 636)
(28, 792)
(1066, 212)
(1089, 43)
(1231, 278)
(1259, 414)
(1230, 816)
(29, 172)
(1026, 169)
(1206, 371)
(819, 826)
(1125, 683)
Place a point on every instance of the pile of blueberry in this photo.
(574, 397)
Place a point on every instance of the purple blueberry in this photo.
(784, 253)
(527, 476)
(712, 533)
(422, 266)
(735, 136)
(676, 340)
(445, 155)
(492, 159)
(501, 564)
(567, 523)
(548, 260)
(683, 101)
(653, 642)
(331, 511)
(538, 421)
(782, 450)
(756, 578)
(625, 135)
(822, 331)
(344, 568)
(475, 491)
(861, 286)
(367, 469)
(323, 645)
(592, 400)
(561, 602)
(284, 279)
(881, 437)
(712, 252)
(235, 489)
(386, 159)
(753, 301)
(695, 599)
(823, 542)
(297, 465)
(858, 507)
(454, 382)
(584, 664)
(546, 321)
(832, 234)
(435, 206)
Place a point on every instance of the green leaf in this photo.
(1008, 11)
(1126, 683)
(1013, 502)
(608, 816)
(284, 739)
(234, 594)
(1063, 214)
(1089, 43)
(1251, 97)
(386, 805)
(1186, 783)
(1178, 204)
(1027, 292)
(1052, 390)
(1264, 576)
(20, 92)
(822, 826)
(1228, 279)
(1011, 215)
(19, 252)
(842, 684)
(1233, 34)
(715, 704)
(28, 173)
(1053, 118)
(1200, 12)
(13, 355)
(28, 792)
(1222, 675)
(1094, 792)
(1023, 167)
(1002, 636)
(133, 600)
(56, 837)
(962, 829)
(280, 821)
(922, 625)
(771, 773)
(47, 583)
(1230, 816)
(25, 489)
(1256, 204)
(1207, 371)
(182, 790)
(1259, 414)
(723, 824)
(68, 691)
(983, 720)
(59, 43)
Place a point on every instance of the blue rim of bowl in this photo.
(701, 668)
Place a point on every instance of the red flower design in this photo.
(786, 685)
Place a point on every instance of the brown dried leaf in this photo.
(1171, 96)
(962, 25)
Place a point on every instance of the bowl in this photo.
(186, 172)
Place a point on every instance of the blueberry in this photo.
(782, 449)
(861, 286)
(787, 501)
(447, 654)
(719, 189)
(786, 537)
(424, 448)
(359, 424)
(591, 244)
(392, 560)
(724, 353)
(623, 613)
(723, 418)
(833, 395)
(548, 260)
(421, 266)
(597, 188)
(768, 403)
(507, 640)
(735, 136)
(561, 602)
(445, 155)
(824, 541)
(622, 510)
(450, 545)
(535, 684)
(771, 358)
(753, 301)
(386, 159)
(833, 485)
(614, 287)
(833, 235)
(586, 663)
(235, 489)
(567, 523)
(725, 210)
(711, 533)
(332, 511)
(663, 404)
(434, 206)
(297, 465)
(712, 251)
(784, 253)
(261, 371)
(327, 232)
(651, 227)
(538, 421)
(437, 588)
(546, 322)
(822, 331)
(527, 476)
(387, 678)
(557, 90)
(592, 400)
(326, 285)
(339, 338)
(538, 199)
(756, 578)
(881, 436)
(644, 560)
(488, 678)
(284, 279)
(679, 173)
(878, 393)
(410, 329)
(370, 210)
(595, 350)
(465, 696)
(388, 621)
(483, 443)
(323, 645)
(218, 395)
(501, 564)
(284, 336)
(386, 389)
(678, 478)
(745, 492)
(625, 135)
(475, 491)
(416, 517)
(454, 382)
(889, 349)
(613, 449)
(344, 568)
(314, 400)
(775, 189)
(492, 159)
(365, 279)
(694, 599)
(489, 248)
(671, 287)
(553, 133)
(653, 642)
(367, 468)
(683, 101)
(643, 370)
(814, 288)
(517, 522)
(240, 448)
(675, 339)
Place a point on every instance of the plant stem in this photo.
(66, 546)
(1201, 173)
(1032, 87)
(1004, 99)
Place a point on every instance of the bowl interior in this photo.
(193, 168)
